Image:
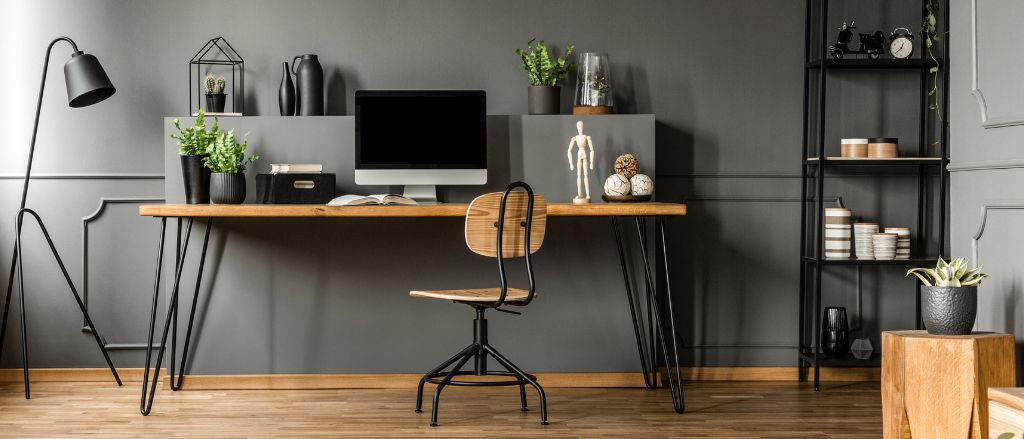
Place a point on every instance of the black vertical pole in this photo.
(803, 196)
(819, 204)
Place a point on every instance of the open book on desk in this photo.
(371, 200)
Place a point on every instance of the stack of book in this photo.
(296, 168)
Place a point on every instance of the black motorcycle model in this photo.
(870, 44)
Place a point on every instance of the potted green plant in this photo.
(949, 297)
(545, 74)
(194, 144)
(215, 96)
(227, 162)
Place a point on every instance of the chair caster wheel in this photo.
(419, 411)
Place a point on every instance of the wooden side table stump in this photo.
(936, 386)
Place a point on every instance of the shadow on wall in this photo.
(338, 84)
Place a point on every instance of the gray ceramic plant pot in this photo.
(949, 310)
(543, 99)
(227, 188)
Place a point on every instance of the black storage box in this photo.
(294, 188)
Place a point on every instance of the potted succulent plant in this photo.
(194, 144)
(227, 162)
(545, 74)
(949, 296)
(215, 97)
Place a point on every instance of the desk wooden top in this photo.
(437, 210)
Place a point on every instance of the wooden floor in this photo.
(714, 409)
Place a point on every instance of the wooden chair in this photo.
(513, 221)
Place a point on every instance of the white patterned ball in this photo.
(616, 185)
(641, 184)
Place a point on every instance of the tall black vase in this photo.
(835, 332)
(286, 95)
(309, 81)
(197, 179)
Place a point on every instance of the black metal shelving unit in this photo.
(814, 171)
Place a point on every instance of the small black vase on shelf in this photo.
(835, 332)
(286, 95)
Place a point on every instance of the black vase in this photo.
(309, 81)
(835, 332)
(196, 178)
(215, 102)
(227, 188)
(286, 95)
(543, 99)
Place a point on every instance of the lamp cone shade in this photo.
(87, 83)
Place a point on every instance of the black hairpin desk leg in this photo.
(149, 387)
(662, 323)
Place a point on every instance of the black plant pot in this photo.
(949, 310)
(835, 332)
(543, 99)
(196, 178)
(215, 102)
(227, 188)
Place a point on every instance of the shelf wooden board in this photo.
(854, 261)
(867, 63)
(437, 210)
(853, 161)
(845, 361)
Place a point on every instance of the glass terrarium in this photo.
(593, 85)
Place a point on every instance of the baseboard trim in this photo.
(403, 380)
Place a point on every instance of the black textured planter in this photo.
(227, 188)
(949, 310)
(215, 102)
(543, 99)
(196, 178)
(835, 332)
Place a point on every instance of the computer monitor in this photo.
(421, 139)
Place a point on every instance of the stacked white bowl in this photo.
(863, 243)
(884, 246)
(837, 233)
(902, 241)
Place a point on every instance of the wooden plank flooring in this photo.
(714, 409)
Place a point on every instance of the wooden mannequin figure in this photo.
(582, 142)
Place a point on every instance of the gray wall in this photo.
(988, 162)
(724, 79)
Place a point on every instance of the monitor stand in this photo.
(422, 193)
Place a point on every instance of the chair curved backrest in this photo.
(482, 223)
(513, 221)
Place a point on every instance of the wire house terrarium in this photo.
(217, 52)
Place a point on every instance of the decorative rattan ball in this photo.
(626, 166)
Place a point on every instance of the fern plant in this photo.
(949, 274)
(197, 139)
(538, 64)
(227, 156)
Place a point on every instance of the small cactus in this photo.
(214, 85)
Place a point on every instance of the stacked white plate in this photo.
(884, 246)
(863, 243)
(837, 233)
(902, 241)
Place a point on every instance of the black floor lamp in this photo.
(87, 84)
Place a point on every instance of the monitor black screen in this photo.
(421, 129)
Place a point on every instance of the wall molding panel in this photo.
(987, 120)
(85, 176)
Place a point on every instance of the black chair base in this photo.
(479, 350)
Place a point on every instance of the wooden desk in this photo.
(660, 336)
(936, 386)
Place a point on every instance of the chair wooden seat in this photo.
(474, 294)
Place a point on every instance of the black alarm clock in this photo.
(901, 44)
